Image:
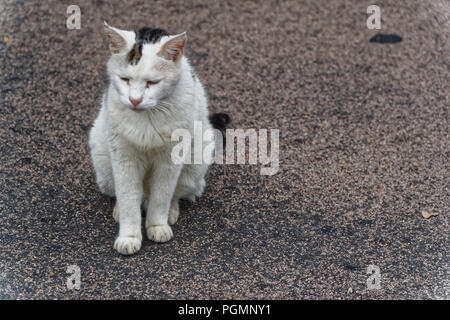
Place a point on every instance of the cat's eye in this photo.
(126, 80)
(150, 83)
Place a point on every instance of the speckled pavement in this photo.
(364, 149)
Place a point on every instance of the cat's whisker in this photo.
(165, 108)
(162, 109)
(165, 104)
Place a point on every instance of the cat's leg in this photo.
(144, 206)
(174, 211)
(128, 174)
(101, 160)
(146, 186)
(162, 186)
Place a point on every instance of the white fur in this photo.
(131, 151)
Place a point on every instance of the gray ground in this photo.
(364, 148)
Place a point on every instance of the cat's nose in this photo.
(135, 102)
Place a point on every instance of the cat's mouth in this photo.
(137, 109)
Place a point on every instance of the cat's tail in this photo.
(220, 121)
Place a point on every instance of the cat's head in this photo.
(144, 66)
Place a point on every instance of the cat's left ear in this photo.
(119, 40)
(173, 48)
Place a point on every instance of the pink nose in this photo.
(135, 102)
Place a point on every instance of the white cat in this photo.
(152, 91)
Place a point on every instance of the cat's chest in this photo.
(145, 132)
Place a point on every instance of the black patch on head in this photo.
(149, 35)
(144, 35)
(135, 54)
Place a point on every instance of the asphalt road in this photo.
(364, 149)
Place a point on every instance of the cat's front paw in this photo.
(127, 245)
(160, 233)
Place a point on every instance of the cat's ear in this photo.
(173, 48)
(119, 40)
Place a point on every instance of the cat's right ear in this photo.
(119, 40)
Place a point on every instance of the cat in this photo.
(152, 91)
